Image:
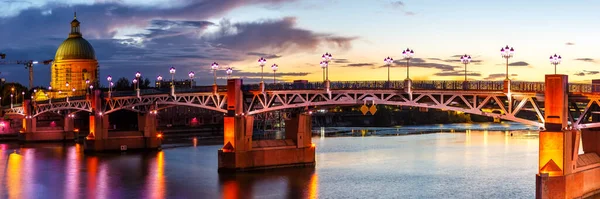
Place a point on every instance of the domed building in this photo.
(74, 63)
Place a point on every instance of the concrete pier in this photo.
(241, 153)
(563, 172)
(99, 140)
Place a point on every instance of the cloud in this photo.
(456, 73)
(569, 43)
(519, 63)
(586, 59)
(400, 5)
(259, 35)
(421, 63)
(130, 37)
(341, 61)
(264, 55)
(359, 65)
(497, 76)
(586, 72)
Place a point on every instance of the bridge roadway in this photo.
(486, 98)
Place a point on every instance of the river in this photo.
(453, 164)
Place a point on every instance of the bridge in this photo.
(565, 113)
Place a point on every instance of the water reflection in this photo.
(372, 166)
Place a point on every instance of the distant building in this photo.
(178, 83)
(74, 63)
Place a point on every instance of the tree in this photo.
(123, 84)
(145, 84)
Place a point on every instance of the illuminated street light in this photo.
(138, 74)
(507, 52)
(229, 71)
(555, 60)
(135, 81)
(274, 67)
(327, 58)
(191, 75)
(262, 62)
(408, 54)
(23, 97)
(159, 80)
(324, 65)
(388, 62)
(465, 59)
(172, 71)
(87, 82)
(214, 66)
(11, 100)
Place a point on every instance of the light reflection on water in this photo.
(471, 164)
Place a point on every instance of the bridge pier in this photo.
(241, 153)
(30, 132)
(563, 173)
(99, 141)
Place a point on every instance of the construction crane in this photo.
(28, 65)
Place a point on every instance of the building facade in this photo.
(74, 63)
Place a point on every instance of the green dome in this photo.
(75, 48)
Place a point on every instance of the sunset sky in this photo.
(152, 35)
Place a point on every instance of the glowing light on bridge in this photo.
(388, 62)
(324, 65)
(214, 66)
(465, 59)
(408, 54)
(229, 71)
(327, 57)
(555, 60)
(261, 63)
(507, 53)
(274, 67)
(191, 75)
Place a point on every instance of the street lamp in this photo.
(87, 82)
(11, 100)
(172, 71)
(324, 65)
(274, 67)
(23, 97)
(465, 59)
(261, 62)
(191, 75)
(214, 66)
(555, 60)
(507, 52)
(135, 81)
(327, 58)
(137, 76)
(388, 61)
(408, 54)
(109, 79)
(229, 71)
(159, 80)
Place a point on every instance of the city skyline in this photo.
(151, 36)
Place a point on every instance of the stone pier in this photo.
(99, 140)
(241, 153)
(563, 172)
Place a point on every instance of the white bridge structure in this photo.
(522, 103)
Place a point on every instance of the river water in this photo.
(472, 164)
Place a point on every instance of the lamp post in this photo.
(11, 100)
(388, 62)
(67, 86)
(50, 91)
(229, 71)
(172, 71)
(274, 67)
(135, 81)
(555, 60)
(327, 57)
(159, 80)
(507, 52)
(262, 62)
(214, 66)
(465, 59)
(137, 76)
(324, 65)
(408, 54)
(191, 75)
(23, 97)
(109, 79)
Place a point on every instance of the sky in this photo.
(150, 36)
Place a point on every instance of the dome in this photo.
(75, 48)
